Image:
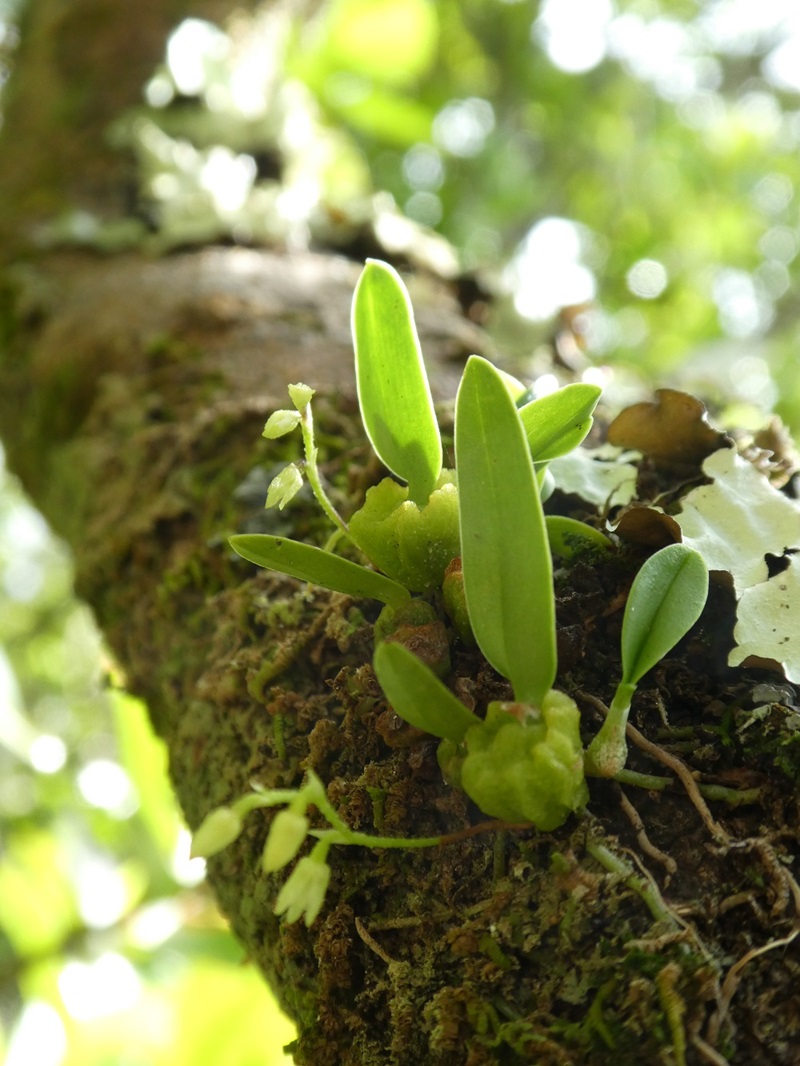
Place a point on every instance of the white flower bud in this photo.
(300, 395)
(304, 892)
(284, 487)
(218, 829)
(286, 836)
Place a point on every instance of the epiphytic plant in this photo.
(409, 532)
(480, 535)
(524, 760)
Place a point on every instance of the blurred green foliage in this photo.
(623, 174)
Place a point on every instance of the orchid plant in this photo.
(523, 761)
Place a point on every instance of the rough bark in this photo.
(132, 397)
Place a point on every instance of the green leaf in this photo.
(393, 390)
(418, 696)
(308, 563)
(557, 423)
(666, 599)
(397, 119)
(392, 42)
(568, 536)
(508, 576)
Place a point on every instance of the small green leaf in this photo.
(280, 423)
(568, 536)
(508, 575)
(558, 422)
(308, 563)
(284, 487)
(393, 390)
(666, 599)
(418, 696)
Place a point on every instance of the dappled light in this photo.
(574, 33)
(675, 194)
(546, 272)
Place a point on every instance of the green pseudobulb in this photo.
(411, 544)
(528, 770)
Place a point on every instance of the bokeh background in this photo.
(616, 185)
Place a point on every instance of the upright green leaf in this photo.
(508, 578)
(666, 599)
(558, 422)
(308, 563)
(418, 696)
(393, 389)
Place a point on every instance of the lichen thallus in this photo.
(523, 762)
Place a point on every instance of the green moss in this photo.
(378, 797)
(769, 736)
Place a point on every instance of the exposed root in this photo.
(644, 841)
(680, 769)
(734, 977)
(373, 944)
(786, 890)
(707, 1052)
(783, 886)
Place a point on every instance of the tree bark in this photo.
(134, 394)
(132, 397)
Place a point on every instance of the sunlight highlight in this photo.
(38, 1037)
(92, 990)
(47, 754)
(104, 784)
(191, 50)
(546, 273)
(647, 279)
(573, 32)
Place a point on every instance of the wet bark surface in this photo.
(653, 929)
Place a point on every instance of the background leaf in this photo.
(508, 579)
(768, 618)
